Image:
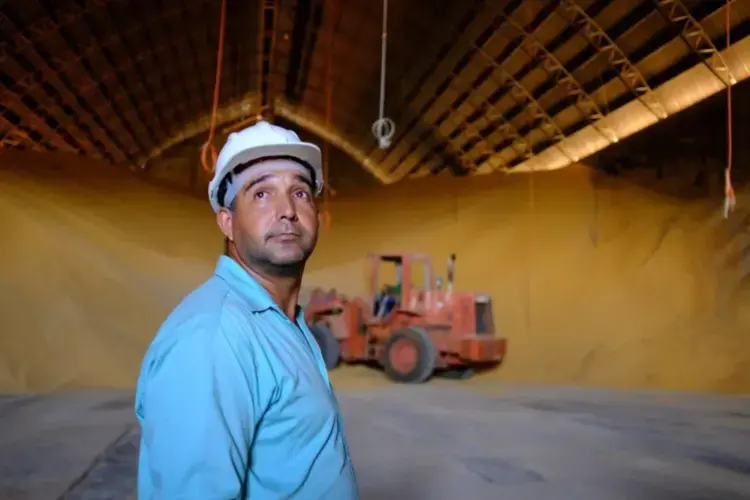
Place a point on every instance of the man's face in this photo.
(275, 222)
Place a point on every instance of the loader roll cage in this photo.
(400, 294)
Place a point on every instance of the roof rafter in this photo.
(424, 95)
(585, 103)
(173, 36)
(166, 59)
(84, 135)
(67, 65)
(29, 81)
(540, 57)
(507, 84)
(695, 37)
(626, 70)
(534, 109)
(127, 109)
(474, 87)
(66, 44)
(53, 135)
(477, 141)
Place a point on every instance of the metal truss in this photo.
(554, 68)
(693, 34)
(52, 134)
(63, 65)
(628, 72)
(403, 134)
(151, 83)
(174, 27)
(160, 98)
(19, 106)
(94, 117)
(67, 12)
(502, 126)
(538, 53)
(17, 138)
(496, 119)
(31, 82)
(139, 133)
(519, 144)
(70, 63)
(522, 149)
(532, 106)
(494, 116)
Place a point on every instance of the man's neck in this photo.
(284, 290)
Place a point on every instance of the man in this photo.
(233, 397)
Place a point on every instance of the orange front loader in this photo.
(411, 326)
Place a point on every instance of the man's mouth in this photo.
(285, 236)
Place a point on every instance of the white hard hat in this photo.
(259, 141)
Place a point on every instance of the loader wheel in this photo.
(328, 344)
(409, 356)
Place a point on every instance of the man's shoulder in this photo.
(207, 331)
(209, 305)
(211, 312)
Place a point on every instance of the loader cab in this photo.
(397, 280)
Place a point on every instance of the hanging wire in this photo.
(208, 147)
(730, 200)
(383, 128)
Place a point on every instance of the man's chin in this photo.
(288, 257)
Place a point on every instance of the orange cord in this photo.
(329, 112)
(730, 199)
(209, 144)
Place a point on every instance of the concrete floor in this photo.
(429, 442)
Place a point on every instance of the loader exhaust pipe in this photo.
(451, 270)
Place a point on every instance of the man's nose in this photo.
(286, 208)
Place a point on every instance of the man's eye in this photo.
(260, 195)
(302, 194)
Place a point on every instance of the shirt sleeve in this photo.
(199, 418)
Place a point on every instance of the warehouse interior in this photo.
(584, 160)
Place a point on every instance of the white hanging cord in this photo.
(383, 128)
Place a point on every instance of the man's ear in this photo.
(225, 220)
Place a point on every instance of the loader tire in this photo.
(410, 356)
(328, 344)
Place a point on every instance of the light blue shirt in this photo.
(234, 402)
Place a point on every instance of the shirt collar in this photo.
(248, 287)
(244, 284)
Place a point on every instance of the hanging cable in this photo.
(729, 198)
(208, 147)
(383, 128)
